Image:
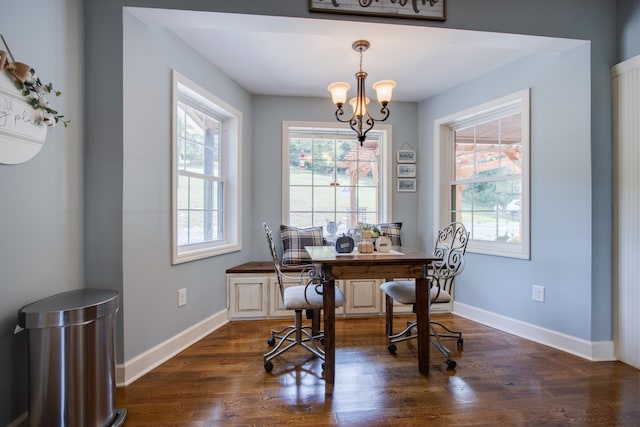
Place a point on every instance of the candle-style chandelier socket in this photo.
(361, 121)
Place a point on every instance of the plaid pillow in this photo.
(295, 239)
(392, 231)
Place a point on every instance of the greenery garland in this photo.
(33, 88)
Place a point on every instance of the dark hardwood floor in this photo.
(500, 380)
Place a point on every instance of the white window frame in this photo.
(445, 170)
(385, 199)
(232, 173)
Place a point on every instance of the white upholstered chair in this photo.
(308, 297)
(450, 246)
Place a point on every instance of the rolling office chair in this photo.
(306, 296)
(450, 246)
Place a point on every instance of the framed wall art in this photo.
(406, 170)
(406, 185)
(406, 156)
(415, 9)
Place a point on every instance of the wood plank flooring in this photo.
(500, 380)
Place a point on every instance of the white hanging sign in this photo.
(21, 132)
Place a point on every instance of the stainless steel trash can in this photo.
(72, 359)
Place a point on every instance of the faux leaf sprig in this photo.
(369, 227)
(37, 92)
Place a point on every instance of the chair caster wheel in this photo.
(451, 364)
(392, 348)
(271, 341)
(268, 366)
(460, 342)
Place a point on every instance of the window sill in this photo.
(196, 254)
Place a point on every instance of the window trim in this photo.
(444, 168)
(231, 169)
(386, 177)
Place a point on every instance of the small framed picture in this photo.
(407, 185)
(406, 156)
(406, 171)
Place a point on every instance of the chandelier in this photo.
(361, 121)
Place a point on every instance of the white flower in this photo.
(43, 101)
(48, 119)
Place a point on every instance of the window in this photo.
(330, 180)
(484, 176)
(205, 173)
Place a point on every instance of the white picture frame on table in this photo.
(406, 185)
(406, 170)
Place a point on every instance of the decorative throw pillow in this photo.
(392, 231)
(295, 239)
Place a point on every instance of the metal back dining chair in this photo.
(305, 296)
(450, 246)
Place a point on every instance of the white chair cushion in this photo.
(294, 298)
(442, 297)
(404, 291)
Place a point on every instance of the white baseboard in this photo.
(595, 351)
(136, 367)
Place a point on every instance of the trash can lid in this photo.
(69, 308)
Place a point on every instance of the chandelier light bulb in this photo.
(339, 92)
(384, 90)
(359, 108)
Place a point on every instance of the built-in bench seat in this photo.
(253, 293)
(263, 267)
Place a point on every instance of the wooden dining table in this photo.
(400, 262)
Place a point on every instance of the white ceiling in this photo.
(270, 55)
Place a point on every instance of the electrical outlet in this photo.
(538, 293)
(182, 297)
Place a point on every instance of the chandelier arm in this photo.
(340, 112)
(385, 114)
(356, 125)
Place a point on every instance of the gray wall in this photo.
(628, 29)
(49, 204)
(150, 282)
(270, 111)
(41, 200)
(597, 24)
(560, 193)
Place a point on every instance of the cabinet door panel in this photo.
(247, 296)
(363, 296)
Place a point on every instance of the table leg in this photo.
(389, 315)
(329, 301)
(422, 314)
(315, 321)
